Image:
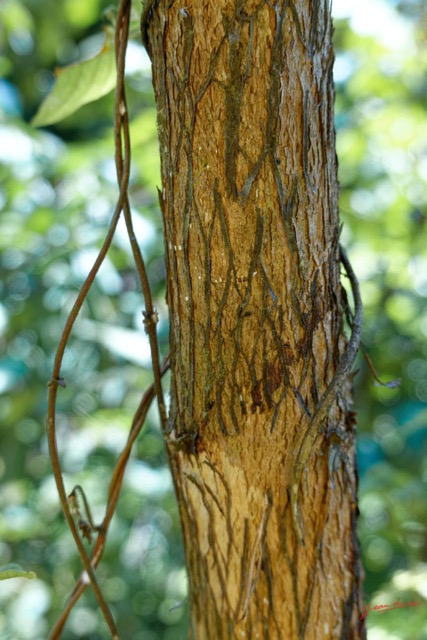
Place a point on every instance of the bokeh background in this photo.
(57, 192)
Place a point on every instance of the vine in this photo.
(69, 503)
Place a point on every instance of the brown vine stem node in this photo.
(150, 319)
(60, 382)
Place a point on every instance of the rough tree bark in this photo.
(249, 198)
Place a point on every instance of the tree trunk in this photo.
(245, 97)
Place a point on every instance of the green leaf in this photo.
(76, 85)
(15, 571)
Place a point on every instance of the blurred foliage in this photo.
(57, 192)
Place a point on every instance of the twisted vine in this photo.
(69, 503)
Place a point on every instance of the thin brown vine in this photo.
(69, 503)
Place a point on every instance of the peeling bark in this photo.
(249, 199)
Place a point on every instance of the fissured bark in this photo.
(249, 198)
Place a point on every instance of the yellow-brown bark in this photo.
(249, 199)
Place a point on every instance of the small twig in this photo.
(340, 376)
(391, 384)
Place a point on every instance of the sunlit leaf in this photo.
(76, 85)
(15, 571)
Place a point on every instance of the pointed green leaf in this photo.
(15, 571)
(76, 85)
